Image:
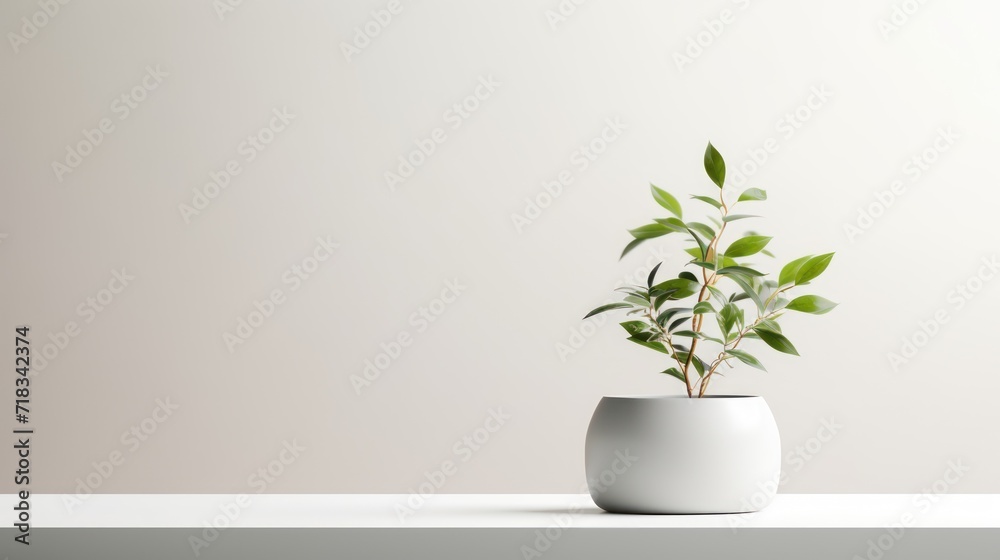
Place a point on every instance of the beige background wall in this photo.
(148, 378)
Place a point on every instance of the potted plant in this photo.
(696, 453)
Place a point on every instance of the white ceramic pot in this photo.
(667, 454)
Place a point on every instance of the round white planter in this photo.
(667, 454)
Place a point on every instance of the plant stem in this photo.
(704, 383)
(695, 326)
(719, 359)
(664, 337)
(696, 321)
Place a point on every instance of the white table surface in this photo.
(494, 511)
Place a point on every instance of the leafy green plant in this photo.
(665, 318)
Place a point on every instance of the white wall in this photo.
(496, 346)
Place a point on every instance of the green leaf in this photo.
(746, 359)
(788, 272)
(658, 346)
(694, 252)
(698, 335)
(752, 194)
(638, 301)
(675, 288)
(677, 323)
(703, 307)
(637, 293)
(676, 373)
(688, 276)
(662, 318)
(808, 304)
(629, 287)
(649, 231)
(666, 200)
(813, 268)
(748, 290)
(699, 365)
(703, 229)
(708, 265)
(642, 290)
(634, 327)
(701, 244)
(628, 248)
(718, 295)
(607, 307)
(712, 339)
(733, 217)
(672, 223)
(659, 298)
(727, 317)
(652, 275)
(708, 200)
(776, 341)
(769, 324)
(747, 246)
(745, 271)
(715, 166)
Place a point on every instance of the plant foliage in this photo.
(682, 316)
